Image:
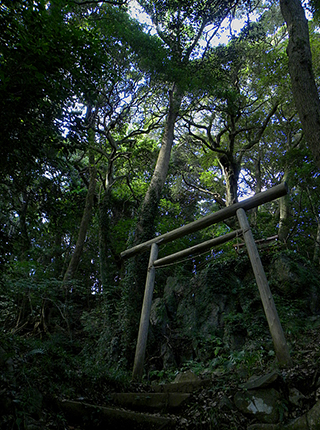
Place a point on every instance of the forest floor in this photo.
(212, 407)
(34, 404)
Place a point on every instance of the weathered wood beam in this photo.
(201, 247)
(225, 213)
(145, 316)
(259, 242)
(279, 340)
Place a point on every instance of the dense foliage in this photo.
(87, 98)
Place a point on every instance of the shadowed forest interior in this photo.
(122, 121)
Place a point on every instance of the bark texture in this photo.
(104, 236)
(145, 230)
(25, 245)
(149, 208)
(284, 221)
(285, 218)
(257, 187)
(317, 244)
(302, 79)
(231, 171)
(86, 217)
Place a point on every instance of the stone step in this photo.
(261, 381)
(182, 387)
(81, 412)
(147, 401)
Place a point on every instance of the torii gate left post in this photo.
(145, 316)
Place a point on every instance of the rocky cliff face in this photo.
(218, 310)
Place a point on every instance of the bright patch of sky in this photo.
(137, 13)
(227, 29)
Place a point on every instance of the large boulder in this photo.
(285, 274)
(263, 404)
(308, 421)
(171, 295)
(294, 278)
(158, 315)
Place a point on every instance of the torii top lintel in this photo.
(225, 213)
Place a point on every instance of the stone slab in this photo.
(182, 387)
(150, 400)
(79, 412)
(260, 381)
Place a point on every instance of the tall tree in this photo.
(180, 26)
(303, 85)
(86, 216)
(231, 118)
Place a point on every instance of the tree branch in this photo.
(261, 130)
(216, 196)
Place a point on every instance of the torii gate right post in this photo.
(279, 340)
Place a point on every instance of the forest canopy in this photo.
(115, 130)
(86, 89)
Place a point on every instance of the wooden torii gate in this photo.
(238, 209)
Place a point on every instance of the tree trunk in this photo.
(57, 255)
(86, 217)
(104, 231)
(284, 221)
(304, 89)
(145, 228)
(316, 252)
(231, 173)
(105, 242)
(149, 208)
(285, 207)
(136, 270)
(25, 245)
(107, 246)
(257, 187)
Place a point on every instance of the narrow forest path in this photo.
(275, 400)
(159, 408)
